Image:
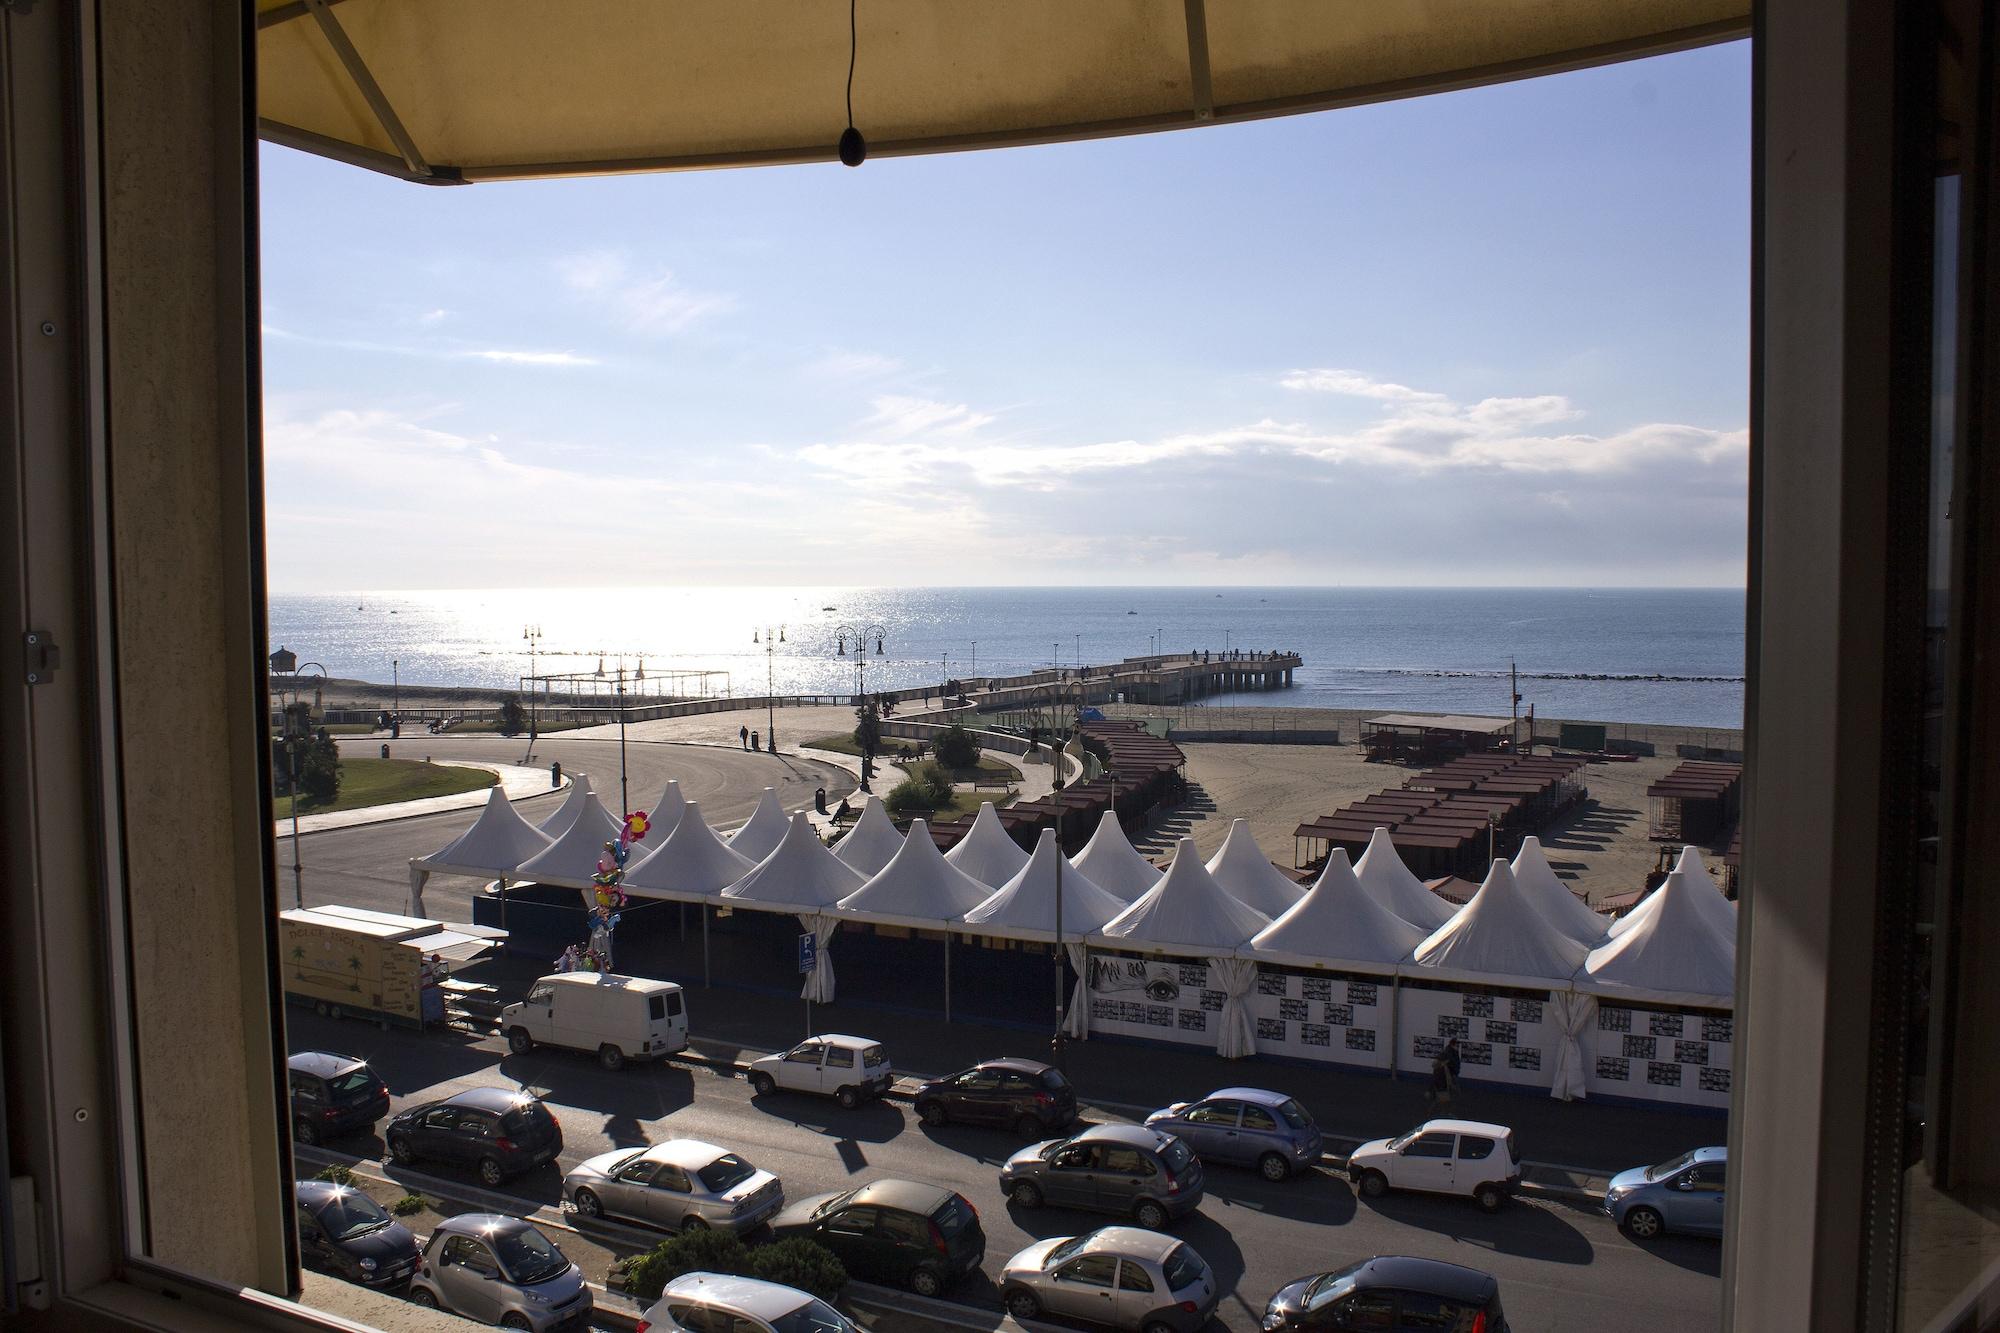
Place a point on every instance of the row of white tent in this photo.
(1522, 929)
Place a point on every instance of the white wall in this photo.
(1339, 1017)
(1682, 1056)
(1509, 1037)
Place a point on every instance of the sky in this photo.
(1485, 338)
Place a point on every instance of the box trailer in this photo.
(351, 961)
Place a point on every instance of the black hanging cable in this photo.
(853, 148)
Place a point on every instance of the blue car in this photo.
(1245, 1126)
(1682, 1195)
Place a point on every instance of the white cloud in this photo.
(431, 316)
(1355, 384)
(898, 415)
(531, 358)
(651, 301)
(848, 367)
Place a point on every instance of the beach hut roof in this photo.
(498, 841)
(1500, 938)
(573, 805)
(1382, 872)
(1024, 908)
(765, 828)
(873, 841)
(690, 863)
(986, 852)
(665, 813)
(1672, 956)
(572, 859)
(1709, 903)
(1111, 862)
(1337, 924)
(917, 888)
(1187, 911)
(1241, 867)
(800, 875)
(1552, 898)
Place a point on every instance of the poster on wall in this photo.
(1502, 1037)
(1660, 1055)
(1163, 1000)
(1322, 1016)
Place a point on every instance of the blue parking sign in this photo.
(808, 951)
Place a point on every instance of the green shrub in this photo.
(799, 1263)
(409, 1203)
(927, 788)
(646, 1275)
(513, 719)
(337, 1174)
(957, 748)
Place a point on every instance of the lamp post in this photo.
(291, 739)
(533, 635)
(1056, 1042)
(861, 635)
(772, 638)
(396, 697)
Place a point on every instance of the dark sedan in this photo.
(921, 1236)
(333, 1095)
(1031, 1097)
(498, 1132)
(346, 1233)
(1390, 1291)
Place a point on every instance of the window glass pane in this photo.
(1430, 1145)
(1472, 1148)
(1133, 1277)
(1093, 1270)
(839, 1057)
(656, 1006)
(726, 1172)
(1256, 1117)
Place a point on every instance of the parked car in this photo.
(1390, 1292)
(922, 1236)
(707, 1302)
(501, 1270)
(1245, 1127)
(1122, 1277)
(1684, 1194)
(1128, 1170)
(1032, 1097)
(346, 1233)
(333, 1095)
(498, 1131)
(835, 1065)
(1465, 1157)
(683, 1184)
(616, 1018)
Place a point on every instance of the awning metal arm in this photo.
(371, 92)
(1197, 39)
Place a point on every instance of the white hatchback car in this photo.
(836, 1065)
(1467, 1157)
(700, 1302)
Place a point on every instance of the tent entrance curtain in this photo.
(1237, 1035)
(819, 983)
(418, 878)
(1576, 1014)
(1077, 1022)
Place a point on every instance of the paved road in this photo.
(1560, 1267)
(367, 866)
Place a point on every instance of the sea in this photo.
(1610, 654)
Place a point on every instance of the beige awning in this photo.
(464, 90)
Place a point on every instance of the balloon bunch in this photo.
(604, 915)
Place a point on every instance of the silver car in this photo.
(1246, 1126)
(716, 1303)
(680, 1185)
(501, 1270)
(1122, 1277)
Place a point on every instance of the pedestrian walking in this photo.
(1451, 1065)
(1438, 1095)
(743, 736)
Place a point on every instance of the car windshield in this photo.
(1065, 1251)
(1055, 1148)
(1668, 1168)
(350, 1213)
(528, 1256)
(1401, 1140)
(726, 1173)
(1177, 1155)
(813, 1317)
(1184, 1268)
(832, 1204)
(355, 1084)
(1294, 1114)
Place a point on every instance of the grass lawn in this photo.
(366, 782)
(988, 769)
(346, 728)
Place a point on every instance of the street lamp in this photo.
(533, 635)
(396, 698)
(861, 635)
(292, 689)
(772, 638)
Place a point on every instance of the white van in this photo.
(620, 1018)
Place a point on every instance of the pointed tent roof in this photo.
(662, 815)
(765, 828)
(1187, 912)
(873, 841)
(690, 864)
(573, 805)
(800, 875)
(572, 859)
(1382, 872)
(498, 841)
(1709, 903)
(1552, 897)
(1112, 863)
(1024, 908)
(917, 888)
(1672, 956)
(1501, 939)
(986, 852)
(1337, 924)
(1241, 867)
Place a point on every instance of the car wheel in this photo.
(760, 1084)
(694, 1222)
(306, 1132)
(1021, 1303)
(424, 1297)
(1273, 1166)
(519, 1042)
(1150, 1215)
(490, 1172)
(1489, 1198)
(848, 1099)
(1028, 1127)
(515, 1319)
(1158, 1327)
(611, 1057)
(333, 1011)
(1026, 1193)
(1374, 1184)
(926, 1281)
(588, 1204)
(933, 1114)
(1643, 1223)
(400, 1149)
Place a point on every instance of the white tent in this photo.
(765, 828)
(1500, 939)
(800, 876)
(662, 815)
(1337, 924)
(1241, 867)
(1672, 956)
(1186, 912)
(573, 805)
(873, 841)
(1552, 898)
(572, 859)
(1113, 865)
(1708, 900)
(498, 841)
(1390, 883)
(1024, 908)
(690, 864)
(986, 852)
(917, 888)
